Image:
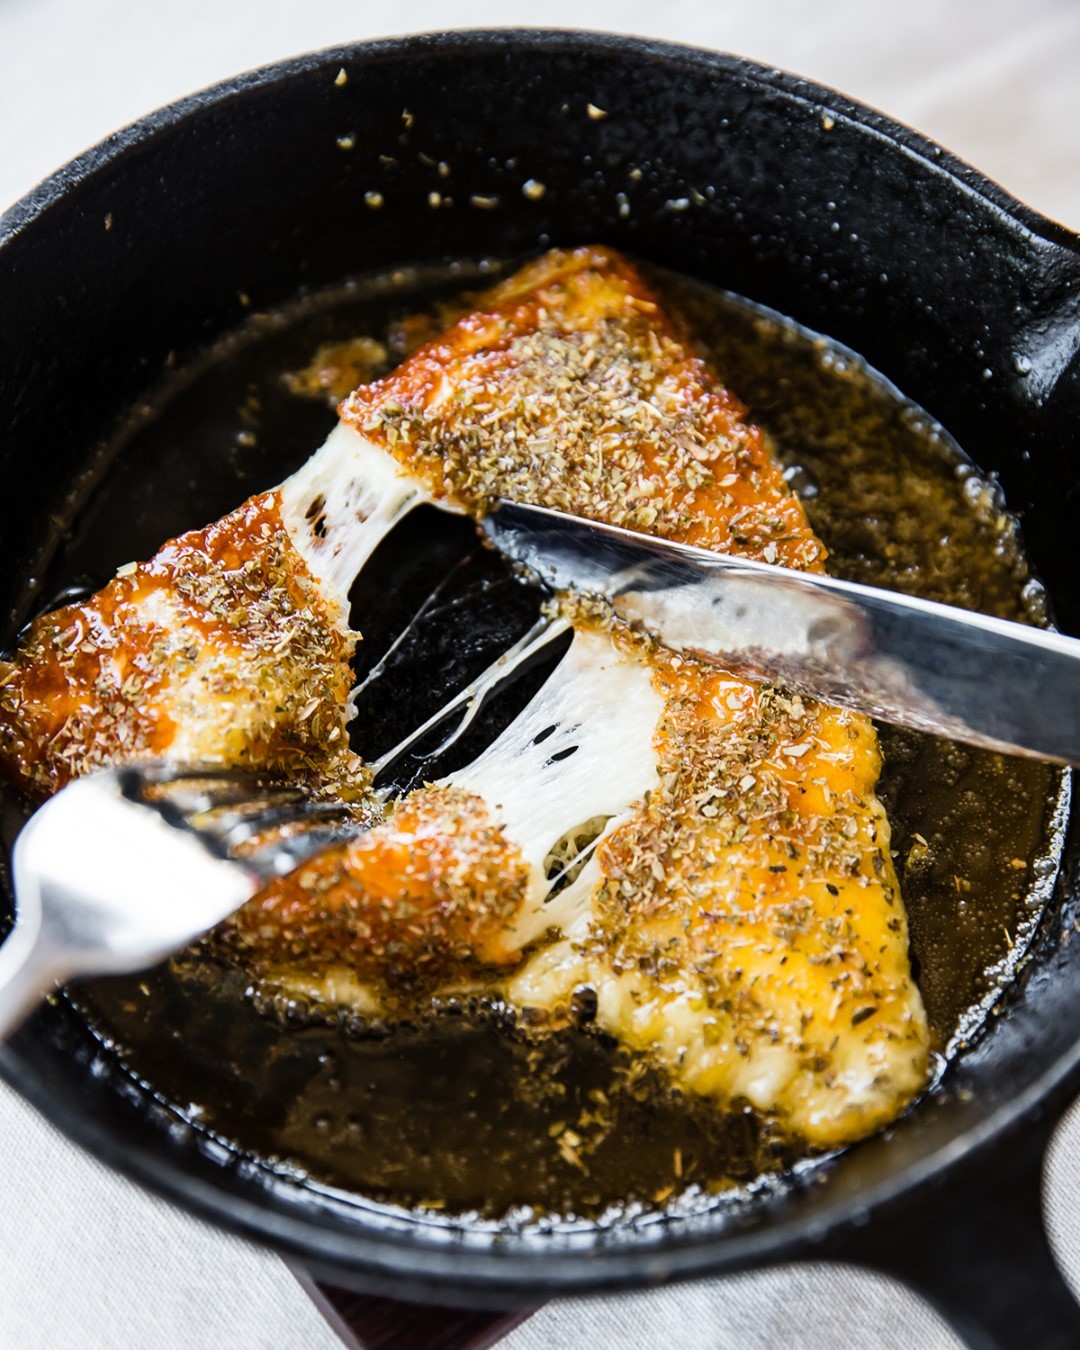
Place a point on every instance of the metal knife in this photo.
(913, 662)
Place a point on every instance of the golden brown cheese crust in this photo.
(219, 649)
(426, 894)
(752, 909)
(569, 386)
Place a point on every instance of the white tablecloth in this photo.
(87, 1259)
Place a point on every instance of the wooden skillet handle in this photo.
(976, 1249)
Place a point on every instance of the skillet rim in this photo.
(383, 1258)
(22, 213)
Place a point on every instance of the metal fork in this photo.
(127, 865)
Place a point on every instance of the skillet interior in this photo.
(464, 1111)
(149, 255)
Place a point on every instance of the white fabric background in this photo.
(88, 1260)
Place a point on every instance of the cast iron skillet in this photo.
(775, 188)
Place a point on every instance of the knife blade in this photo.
(916, 663)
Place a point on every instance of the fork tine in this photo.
(236, 828)
(278, 857)
(269, 827)
(195, 790)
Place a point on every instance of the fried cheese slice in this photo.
(739, 917)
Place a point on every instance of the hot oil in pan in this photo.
(461, 1110)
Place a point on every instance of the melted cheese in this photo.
(342, 503)
(582, 748)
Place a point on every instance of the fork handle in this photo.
(27, 973)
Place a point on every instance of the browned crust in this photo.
(428, 892)
(570, 386)
(221, 643)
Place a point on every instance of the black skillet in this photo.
(148, 245)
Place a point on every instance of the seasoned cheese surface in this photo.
(570, 387)
(418, 897)
(221, 649)
(748, 930)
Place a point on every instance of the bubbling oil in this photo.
(463, 1108)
